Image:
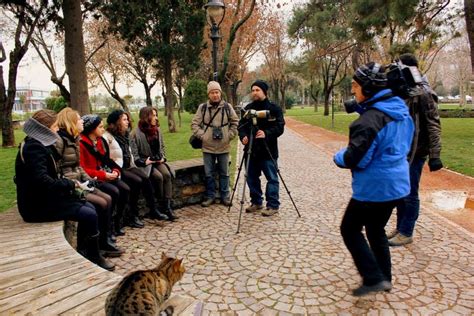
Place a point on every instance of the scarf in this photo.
(124, 143)
(39, 132)
(151, 132)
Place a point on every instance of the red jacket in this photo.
(93, 166)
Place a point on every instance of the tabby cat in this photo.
(144, 292)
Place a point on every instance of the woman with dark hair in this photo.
(118, 139)
(70, 126)
(148, 150)
(44, 196)
(96, 162)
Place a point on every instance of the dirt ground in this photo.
(430, 181)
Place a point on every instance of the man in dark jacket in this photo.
(379, 142)
(265, 147)
(426, 143)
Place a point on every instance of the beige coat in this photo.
(114, 148)
(230, 121)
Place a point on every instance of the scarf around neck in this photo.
(151, 132)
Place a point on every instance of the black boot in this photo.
(135, 222)
(168, 211)
(117, 226)
(108, 248)
(92, 253)
(155, 214)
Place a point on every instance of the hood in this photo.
(39, 132)
(394, 107)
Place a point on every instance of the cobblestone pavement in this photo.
(289, 265)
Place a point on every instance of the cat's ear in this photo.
(177, 265)
(163, 255)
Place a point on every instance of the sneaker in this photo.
(253, 208)
(367, 289)
(400, 240)
(207, 202)
(270, 211)
(392, 234)
(226, 202)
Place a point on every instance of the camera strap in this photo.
(104, 159)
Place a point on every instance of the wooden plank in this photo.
(32, 253)
(28, 231)
(82, 297)
(22, 282)
(41, 261)
(49, 293)
(36, 241)
(95, 306)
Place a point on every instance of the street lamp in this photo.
(215, 11)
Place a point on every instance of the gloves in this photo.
(84, 186)
(435, 164)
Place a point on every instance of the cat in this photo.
(144, 292)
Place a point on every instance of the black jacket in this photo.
(41, 194)
(273, 127)
(424, 112)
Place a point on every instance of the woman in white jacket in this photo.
(117, 137)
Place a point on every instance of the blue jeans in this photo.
(221, 163)
(409, 207)
(256, 167)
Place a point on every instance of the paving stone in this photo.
(292, 265)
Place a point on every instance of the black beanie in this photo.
(262, 85)
(91, 121)
(114, 116)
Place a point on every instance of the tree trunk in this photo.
(62, 89)
(74, 53)
(3, 95)
(469, 11)
(326, 102)
(8, 135)
(167, 72)
(147, 88)
(283, 100)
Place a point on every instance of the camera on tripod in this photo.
(250, 114)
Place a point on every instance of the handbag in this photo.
(195, 141)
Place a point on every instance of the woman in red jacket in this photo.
(96, 162)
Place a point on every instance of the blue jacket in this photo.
(379, 142)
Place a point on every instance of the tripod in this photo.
(247, 158)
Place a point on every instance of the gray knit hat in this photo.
(91, 121)
(213, 85)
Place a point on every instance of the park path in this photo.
(287, 265)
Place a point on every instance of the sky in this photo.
(33, 74)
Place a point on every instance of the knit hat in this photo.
(91, 121)
(45, 117)
(262, 85)
(114, 116)
(213, 85)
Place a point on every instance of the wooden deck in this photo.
(41, 274)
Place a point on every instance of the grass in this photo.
(177, 148)
(457, 142)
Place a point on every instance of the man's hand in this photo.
(435, 164)
(245, 140)
(260, 134)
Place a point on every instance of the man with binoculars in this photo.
(264, 120)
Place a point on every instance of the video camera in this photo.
(402, 78)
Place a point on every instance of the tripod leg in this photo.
(249, 153)
(282, 181)
(236, 182)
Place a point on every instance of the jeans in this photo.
(216, 163)
(373, 263)
(256, 167)
(409, 207)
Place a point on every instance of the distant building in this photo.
(29, 99)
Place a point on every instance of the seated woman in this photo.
(70, 125)
(148, 150)
(118, 140)
(96, 162)
(43, 195)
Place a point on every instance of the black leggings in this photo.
(373, 263)
(119, 191)
(85, 216)
(137, 180)
(103, 205)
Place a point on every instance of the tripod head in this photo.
(254, 115)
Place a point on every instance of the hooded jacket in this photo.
(379, 142)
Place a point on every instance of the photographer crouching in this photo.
(379, 142)
(269, 126)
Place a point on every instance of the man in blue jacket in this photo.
(379, 142)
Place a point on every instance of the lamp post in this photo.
(215, 11)
(332, 77)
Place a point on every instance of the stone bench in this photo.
(41, 274)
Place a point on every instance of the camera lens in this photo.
(351, 105)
